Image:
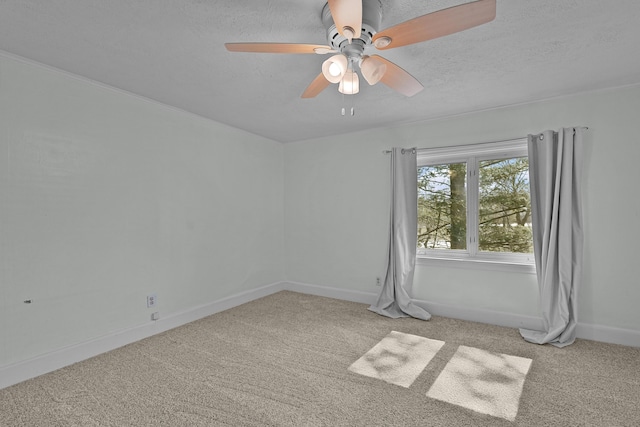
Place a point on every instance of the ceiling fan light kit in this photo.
(335, 68)
(372, 69)
(350, 83)
(353, 28)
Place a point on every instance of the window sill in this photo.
(476, 264)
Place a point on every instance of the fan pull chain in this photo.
(352, 93)
(352, 111)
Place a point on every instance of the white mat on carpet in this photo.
(398, 359)
(489, 383)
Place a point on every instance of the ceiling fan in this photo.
(352, 30)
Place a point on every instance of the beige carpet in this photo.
(284, 361)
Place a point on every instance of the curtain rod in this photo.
(491, 142)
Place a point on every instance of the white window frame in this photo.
(472, 155)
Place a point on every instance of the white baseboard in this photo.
(585, 331)
(608, 334)
(463, 313)
(22, 371)
(329, 292)
(491, 317)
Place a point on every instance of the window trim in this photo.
(472, 155)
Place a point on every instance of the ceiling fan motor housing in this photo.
(371, 20)
(365, 23)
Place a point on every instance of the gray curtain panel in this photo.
(555, 173)
(394, 300)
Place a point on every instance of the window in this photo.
(474, 206)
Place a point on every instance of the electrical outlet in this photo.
(378, 282)
(152, 300)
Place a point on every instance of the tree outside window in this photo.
(500, 213)
(505, 206)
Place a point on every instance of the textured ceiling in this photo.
(173, 51)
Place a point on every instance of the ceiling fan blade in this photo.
(318, 84)
(278, 48)
(398, 79)
(436, 24)
(347, 14)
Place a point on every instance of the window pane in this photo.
(442, 206)
(505, 206)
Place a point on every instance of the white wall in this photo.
(106, 197)
(336, 207)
